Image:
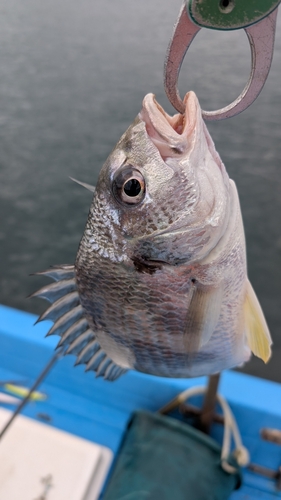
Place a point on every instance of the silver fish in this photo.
(160, 281)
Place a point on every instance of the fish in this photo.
(160, 281)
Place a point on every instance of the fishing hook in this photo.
(261, 38)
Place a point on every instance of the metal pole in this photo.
(207, 413)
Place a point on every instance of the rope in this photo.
(240, 453)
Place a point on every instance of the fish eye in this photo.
(132, 187)
(129, 186)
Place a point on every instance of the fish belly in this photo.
(140, 320)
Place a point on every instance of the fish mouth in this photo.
(179, 134)
(172, 135)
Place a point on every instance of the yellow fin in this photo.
(257, 333)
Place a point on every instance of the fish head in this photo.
(162, 193)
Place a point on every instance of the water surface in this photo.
(72, 78)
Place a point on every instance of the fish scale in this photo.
(150, 335)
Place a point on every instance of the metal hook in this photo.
(261, 38)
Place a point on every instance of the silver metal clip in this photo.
(261, 38)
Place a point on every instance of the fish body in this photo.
(160, 278)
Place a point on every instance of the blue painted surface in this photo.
(98, 410)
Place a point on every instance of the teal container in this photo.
(162, 458)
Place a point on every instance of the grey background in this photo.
(72, 78)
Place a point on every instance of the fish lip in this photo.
(172, 135)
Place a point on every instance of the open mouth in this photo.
(170, 134)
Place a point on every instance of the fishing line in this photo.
(33, 388)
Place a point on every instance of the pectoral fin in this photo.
(202, 316)
(257, 333)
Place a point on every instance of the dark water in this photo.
(72, 78)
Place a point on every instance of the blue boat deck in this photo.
(99, 411)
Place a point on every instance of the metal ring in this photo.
(261, 38)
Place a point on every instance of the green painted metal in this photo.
(229, 14)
